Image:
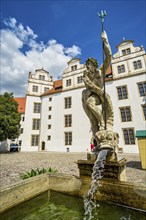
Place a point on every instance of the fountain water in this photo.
(98, 169)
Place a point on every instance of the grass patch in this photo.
(37, 172)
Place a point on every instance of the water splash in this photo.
(98, 169)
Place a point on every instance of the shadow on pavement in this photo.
(134, 164)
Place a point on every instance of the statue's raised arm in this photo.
(107, 51)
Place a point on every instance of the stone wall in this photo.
(115, 191)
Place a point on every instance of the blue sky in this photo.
(47, 34)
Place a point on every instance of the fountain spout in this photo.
(107, 139)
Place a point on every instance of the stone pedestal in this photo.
(113, 169)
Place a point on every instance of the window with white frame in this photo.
(142, 88)
(129, 136)
(68, 120)
(49, 116)
(122, 92)
(41, 77)
(37, 107)
(49, 126)
(21, 130)
(125, 113)
(121, 69)
(49, 137)
(46, 89)
(126, 51)
(50, 108)
(35, 88)
(73, 68)
(35, 124)
(34, 140)
(137, 64)
(67, 102)
(20, 142)
(144, 111)
(68, 138)
(68, 82)
(79, 79)
(50, 99)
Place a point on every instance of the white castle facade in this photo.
(53, 118)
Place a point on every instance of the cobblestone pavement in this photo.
(14, 164)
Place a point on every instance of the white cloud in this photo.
(16, 63)
(72, 51)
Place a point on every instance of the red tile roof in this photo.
(57, 87)
(21, 104)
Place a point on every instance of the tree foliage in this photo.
(9, 117)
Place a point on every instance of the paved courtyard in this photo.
(14, 164)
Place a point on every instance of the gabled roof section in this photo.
(125, 42)
(57, 87)
(41, 70)
(74, 60)
(21, 104)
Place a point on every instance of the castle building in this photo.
(53, 118)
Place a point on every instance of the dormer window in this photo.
(73, 67)
(126, 51)
(46, 89)
(121, 69)
(41, 77)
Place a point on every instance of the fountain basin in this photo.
(119, 192)
(54, 205)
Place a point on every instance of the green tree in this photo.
(9, 117)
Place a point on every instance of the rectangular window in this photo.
(35, 88)
(68, 82)
(73, 67)
(49, 126)
(122, 92)
(79, 79)
(137, 64)
(21, 131)
(37, 107)
(50, 99)
(123, 52)
(129, 136)
(67, 102)
(126, 51)
(34, 140)
(35, 124)
(68, 138)
(46, 89)
(20, 142)
(50, 108)
(68, 120)
(49, 116)
(144, 111)
(41, 77)
(121, 69)
(125, 114)
(142, 88)
(49, 137)
(23, 118)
